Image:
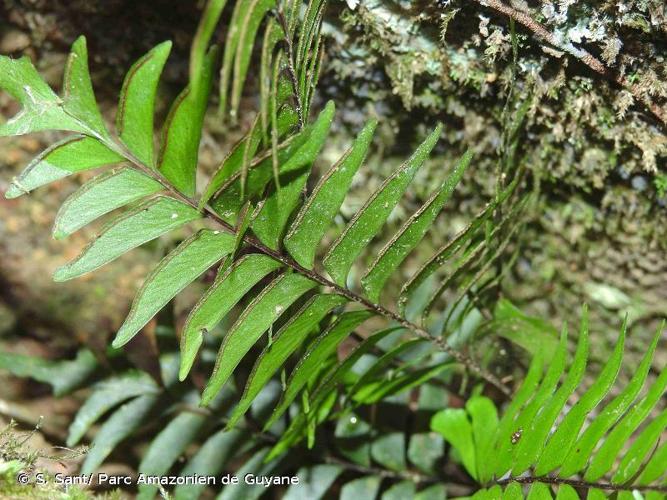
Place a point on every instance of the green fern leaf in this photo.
(228, 289)
(103, 194)
(257, 318)
(578, 456)
(454, 426)
(41, 109)
(368, 221)
(293, 155)
(249, 25)
(641, 448)
(484, 417)
(182, 131)
(232, 164)
(412, 232)
(513, 492)
(321, 348)
(71, 155)
(323, 204)
(177, 270)
(566, 492)
(539, 491)
(529, 450)
(207, 24)
(243, 28)
(79, 98)
(442, 256)
(279, 205)
(655, 467)
(563, 439)
(134, 118)
(286, 341)
(605, 456)
(136, 227)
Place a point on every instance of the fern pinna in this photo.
(266, 233)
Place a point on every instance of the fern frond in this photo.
(268, 228)
(532, 445)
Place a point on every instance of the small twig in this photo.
(582, 55)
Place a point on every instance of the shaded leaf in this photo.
(63, 376)
(210, 460)
(166, 448)
(365, 487)
(389, 450)
(122, 424)
(105, 396)
(314, 481)
(257, 466)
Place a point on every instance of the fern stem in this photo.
(439, 342)
(576, 483)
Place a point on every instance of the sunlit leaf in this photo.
(372, 216)
(135, 227)
(64, 158)
(181, 267)
(134, 118)
(103, 194)
(257, 318)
